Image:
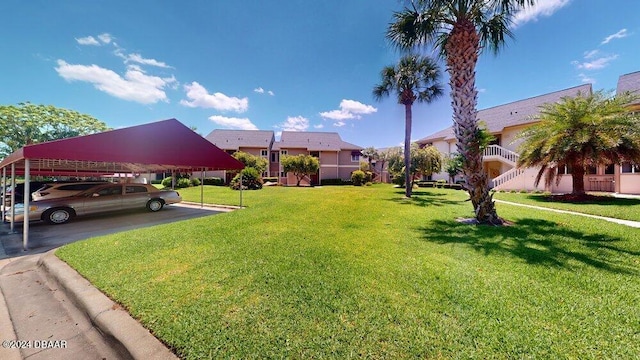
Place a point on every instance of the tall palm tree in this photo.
(581, 131)
(414, 78)
(460, 30)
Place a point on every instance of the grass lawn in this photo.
(342, 272)
(609, 206)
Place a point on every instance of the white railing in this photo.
(507, 176)
(497, 150)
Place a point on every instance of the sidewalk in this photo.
(54, 313)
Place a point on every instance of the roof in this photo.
(313, 141)
(629, 82)
(235, 139)
(159, 146)
(512, 114)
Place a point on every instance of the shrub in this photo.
(324, 182)
(215, 181)
(251, 180)
(273, 179)
(195, 182)
(155, 182)
(358, 177)
(369, 183)
(166, 182)
(182, 183)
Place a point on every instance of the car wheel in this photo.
(155, 205)
(58, 216)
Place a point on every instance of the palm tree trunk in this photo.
(577, 176)
(462, 51)
(407, 150)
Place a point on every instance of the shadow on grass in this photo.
(588, 200)
(538, 242)
(424, 198)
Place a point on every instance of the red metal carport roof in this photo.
(159, 146)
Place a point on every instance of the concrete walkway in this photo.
(635, 224)
(49, 311)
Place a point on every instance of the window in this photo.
(355, 157)
(284, 152)
(592, 170)
(282, 174)
(264, 153)
(274, 156)
(629, 168)
(610, 169)
(130, 189)
(111, 190)
(315, 154)
(564, 170)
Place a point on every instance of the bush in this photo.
(427, 183)
(166, 182)
(251, 180)
(155, 182)
(215, 181)
(273, 179)
(358, 177)
(182, 183)
(324, 182)
(195, 182)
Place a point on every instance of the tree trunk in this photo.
(407, 150)
(577, 176)
(462, 49)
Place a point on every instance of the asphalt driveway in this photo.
(44, 237)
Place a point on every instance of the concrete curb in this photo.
(107, 316)
(6, 326)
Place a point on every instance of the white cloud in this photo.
(233, 123)
(105, 38)
(619, 35)
(591, 54)
(260, 90)
(137, 58)
(339, 124)
(89, 40)
(598, 63)
(586, 79)
(201, 98)
(542, 8)
(295, 123)
(319, 126)
(349, 109)
(135, 86)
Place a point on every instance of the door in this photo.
(106, 198)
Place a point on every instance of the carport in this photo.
(163, 146)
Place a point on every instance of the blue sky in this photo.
(285, 65)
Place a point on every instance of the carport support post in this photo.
(27, 197)
(13, 199)
(4, 191)
(202, 188)
(241, 186)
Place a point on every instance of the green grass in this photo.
(619, 208)
(343, 272)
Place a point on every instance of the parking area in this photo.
(44, 237)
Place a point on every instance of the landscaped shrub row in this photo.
(437, 184)
(328, 182)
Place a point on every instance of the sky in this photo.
(288, 65)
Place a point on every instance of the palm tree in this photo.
(460, 30)
(414, 78)
(579, 132)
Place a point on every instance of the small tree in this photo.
(425, 161)
(300, 165)
(372, 155)
(252, 161)
(396, 166)
(453, 166)
(358, 177)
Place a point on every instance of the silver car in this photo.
(98, 199)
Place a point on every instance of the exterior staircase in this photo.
(498, 153)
